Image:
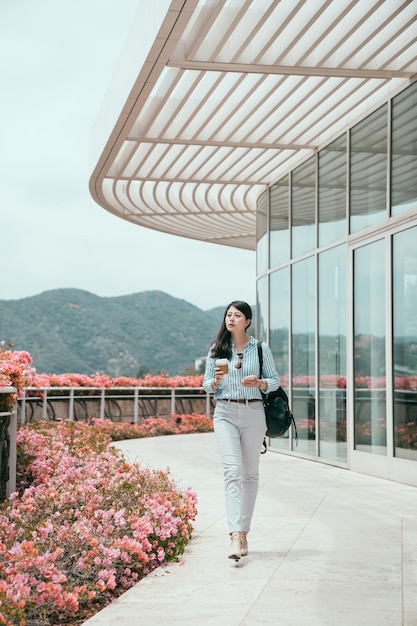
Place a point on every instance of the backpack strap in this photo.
(260, 355)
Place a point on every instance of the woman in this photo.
(239, 418)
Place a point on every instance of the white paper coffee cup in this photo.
(223, 364)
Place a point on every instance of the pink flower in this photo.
(113, 522)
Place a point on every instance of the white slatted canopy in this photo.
(235, 93)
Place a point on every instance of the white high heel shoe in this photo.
(234, 552)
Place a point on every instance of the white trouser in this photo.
(240, 430)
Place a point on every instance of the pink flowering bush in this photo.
(102, 380)
(156, 426)
(15, 371)
(84, 525)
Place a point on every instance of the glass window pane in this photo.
(279, 334)
(279, 217)
(332, 354)
(303, 209)
(368, 171)
(369, 348)
(332, 191)
(405, 343)
(404, 151)
(262, 308)
(261, 233)
(303, 353)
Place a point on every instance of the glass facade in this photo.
(304, 352)
(262, 233)
(262, 309)
(405, 343)
(369, 348)
(303, 208)
(279, 234)
(279, 324)
(332, 191)
(368, 171)
(404, 151)
(332, 353)
(337, 293)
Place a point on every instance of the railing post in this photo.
(102, 402)
(136, 405)
(71, 406)
(11, 483)
(45, 404)
(23, 408)
(172, 400)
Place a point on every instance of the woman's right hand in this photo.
(218, 375)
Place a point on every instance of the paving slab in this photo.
(328, 547)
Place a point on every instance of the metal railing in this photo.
(116, 403)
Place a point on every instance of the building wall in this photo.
(337, 294)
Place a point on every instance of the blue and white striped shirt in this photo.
(231, 385)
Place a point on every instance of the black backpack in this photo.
(278, 414)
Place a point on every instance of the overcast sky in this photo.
(56, 63)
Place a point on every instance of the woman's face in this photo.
(235, 320)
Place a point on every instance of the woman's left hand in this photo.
(250, 381)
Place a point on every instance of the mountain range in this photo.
(71, 330)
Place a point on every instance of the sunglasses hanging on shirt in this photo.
(240, 361)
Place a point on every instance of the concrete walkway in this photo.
(328, 547)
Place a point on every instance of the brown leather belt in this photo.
(244, 400)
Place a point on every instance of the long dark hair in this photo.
(222, 344)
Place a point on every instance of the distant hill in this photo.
(70, 330)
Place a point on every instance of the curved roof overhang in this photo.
(233, 94)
